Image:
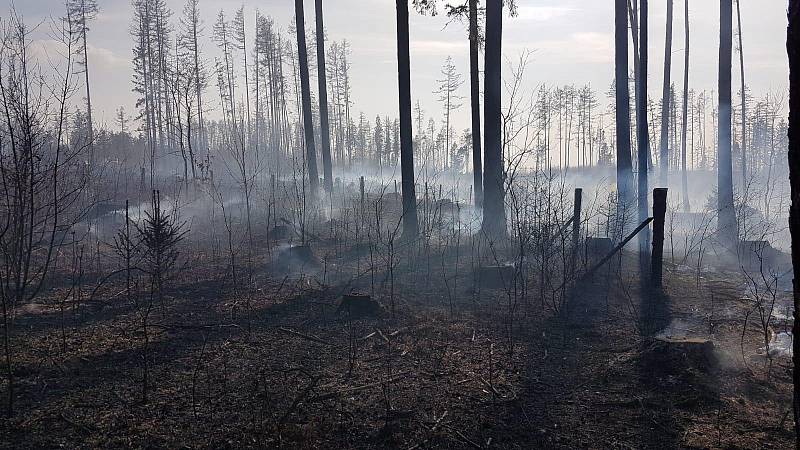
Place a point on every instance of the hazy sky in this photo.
(572, 41)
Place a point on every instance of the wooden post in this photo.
(659, 215)
(576, 227)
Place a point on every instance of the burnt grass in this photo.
(273, 364)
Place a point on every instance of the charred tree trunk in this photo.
(684, 175)
(308, 121)
(625, 196)
(494, 213)
(659, 216)
(410, 223)
(793, 50)
(323, 99)
(663, 158)
(633, 14)
(727, 214)
(576, 229)
(475, 101)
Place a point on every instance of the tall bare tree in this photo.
(192, 30)
(81, 12)
(684, 175)
(447, 90)
(222, 36)
(240, 35)
(744, 97)
(727, 213)
(623, 109)
(475, 42)
(643, 136)
(322, 83)
(305, 87)
(410, 221)
(494, 211)
(470, 12)
(663, 160)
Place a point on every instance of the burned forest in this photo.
(411, 224)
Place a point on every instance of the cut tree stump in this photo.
(674, 354)
(359, 305)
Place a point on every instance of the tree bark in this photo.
(308, 121)
(494, 213)
(475, 100)
(625, 197)
(793, 50)
(727, 214)
(663, 159)
(323, 99)
(410, 224)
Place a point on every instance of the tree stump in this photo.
(674, 354)
(359, 305)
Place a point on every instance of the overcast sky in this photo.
(572, 41)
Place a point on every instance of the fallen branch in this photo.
(334, 394)
(305, 336)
